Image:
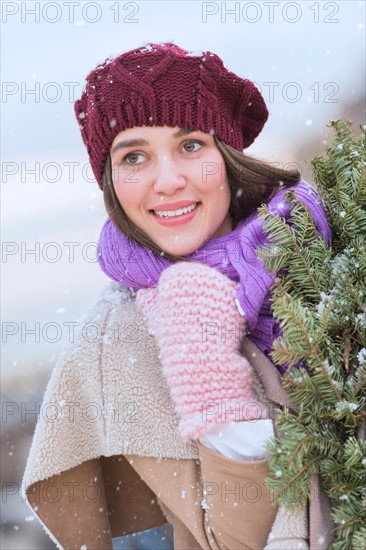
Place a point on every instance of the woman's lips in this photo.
(177, 220)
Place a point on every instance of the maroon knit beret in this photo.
(162, 84)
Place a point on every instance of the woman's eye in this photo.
(192, 146)
(132, 158)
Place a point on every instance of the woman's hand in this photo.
(199, 329)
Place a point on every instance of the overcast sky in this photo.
(318, 46)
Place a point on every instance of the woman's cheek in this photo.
(123, 174)
(213, 175)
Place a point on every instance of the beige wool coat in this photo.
(107, 459)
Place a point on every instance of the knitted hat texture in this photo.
(163, 84)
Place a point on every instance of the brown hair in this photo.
(252, 182)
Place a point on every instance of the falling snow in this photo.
(195, 53)
(361, 356)
(204, 504)
(147, 48)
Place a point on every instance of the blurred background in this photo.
(308, 60)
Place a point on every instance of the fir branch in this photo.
(291, 250)
(309, 468)
(329, 446)
(319, 300)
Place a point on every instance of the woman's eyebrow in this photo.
(141, 142)
(129, 143)
(183, 132)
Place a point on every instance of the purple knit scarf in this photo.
(233, 254)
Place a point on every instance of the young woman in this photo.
(164, 415)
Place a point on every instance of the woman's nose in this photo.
(168, 178)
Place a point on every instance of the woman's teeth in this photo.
(172, 213)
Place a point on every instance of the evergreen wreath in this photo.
(319, 300)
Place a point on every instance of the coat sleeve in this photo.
(70, 435)
(72, 507)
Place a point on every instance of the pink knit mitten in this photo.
(198, 328)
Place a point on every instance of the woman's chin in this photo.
(180, 249)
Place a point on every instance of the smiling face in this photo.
(172, 184)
